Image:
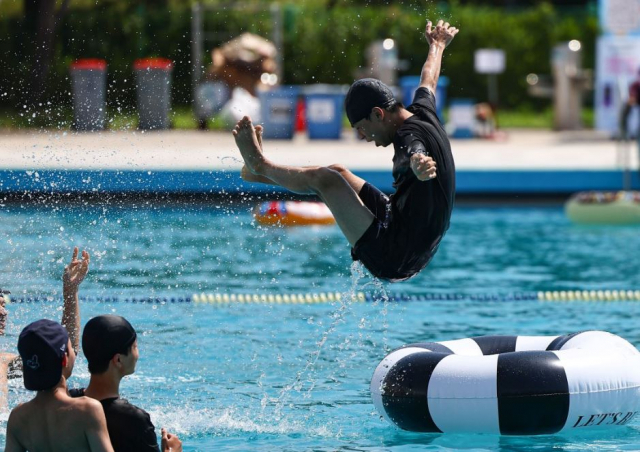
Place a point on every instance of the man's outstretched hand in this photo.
(442, 33)
(75, 272)
(170, 442)
(423, 166)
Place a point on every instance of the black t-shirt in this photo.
(130, 427)
(419, 210)
(409, 198)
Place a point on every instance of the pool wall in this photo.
(469, 182)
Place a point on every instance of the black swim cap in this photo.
(104, 336)
(364, 95)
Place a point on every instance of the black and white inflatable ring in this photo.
(511, 385)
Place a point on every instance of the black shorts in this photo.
(377, 202)
(370, 248)
(388, 248)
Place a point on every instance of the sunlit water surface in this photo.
(296, 377)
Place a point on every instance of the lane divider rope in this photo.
(359, 297)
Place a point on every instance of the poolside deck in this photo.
(524, 163)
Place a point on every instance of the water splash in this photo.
(338, 316)
(230, 422)
(378, 290)
(232, 159)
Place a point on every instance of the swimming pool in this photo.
(296, 376)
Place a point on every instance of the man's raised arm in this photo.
(73, 275)
(438, 39)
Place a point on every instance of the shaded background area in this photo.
(39, 39)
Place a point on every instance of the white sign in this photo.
(489, 61)
(462, 116)
(281, 111)
(320, 110)
(620, 17)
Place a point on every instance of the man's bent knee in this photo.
(326, 178)
(340, 168)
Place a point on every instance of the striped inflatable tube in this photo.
(511, 385)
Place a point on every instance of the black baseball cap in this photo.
(106, 335)
(364, 95)
(42, 346)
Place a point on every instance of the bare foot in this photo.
(247, 175)
(259, 130)
(249, 145)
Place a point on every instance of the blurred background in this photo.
(314, 42)
(552, 87)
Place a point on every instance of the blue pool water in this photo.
(295, 377)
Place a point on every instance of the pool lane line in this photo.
(309, 298)
(557, 296)
(589, 295)
(130, 300)
(299, 298)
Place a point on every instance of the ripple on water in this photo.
(295, 377)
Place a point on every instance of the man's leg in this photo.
(247, 175)
(354, 181)
(350, 213)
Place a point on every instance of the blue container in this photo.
(324, 105)
(409, 84)
(278, 110)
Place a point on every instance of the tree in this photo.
(42, 21)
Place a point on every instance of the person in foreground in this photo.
(73, 275)
(110, 345)
(52, 420)
(394, 237)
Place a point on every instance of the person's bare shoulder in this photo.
(18, 417)
(17, 429)
(88, 410)
(21, 410)
(87, 404)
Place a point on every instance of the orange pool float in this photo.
(293, 213)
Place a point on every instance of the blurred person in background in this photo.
(632, 102)
(240, 65)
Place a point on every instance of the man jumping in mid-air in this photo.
(394, 237)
